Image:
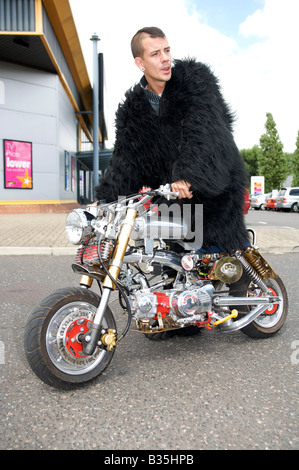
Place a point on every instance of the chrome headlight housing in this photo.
(78, 226)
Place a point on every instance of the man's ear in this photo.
(138, 61)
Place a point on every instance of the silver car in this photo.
(288, 198)
(259, 202)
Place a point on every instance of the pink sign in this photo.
(18, 164)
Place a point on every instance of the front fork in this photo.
(92, 336)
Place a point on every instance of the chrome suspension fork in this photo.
(91, 337)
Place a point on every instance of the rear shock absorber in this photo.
(252, 274)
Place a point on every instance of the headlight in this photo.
(78, 226)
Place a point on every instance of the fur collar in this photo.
(191, 86)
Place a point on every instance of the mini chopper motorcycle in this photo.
(71, 336)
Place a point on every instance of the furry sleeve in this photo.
(123, 175)
(208, 155)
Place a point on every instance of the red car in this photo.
(271, 203)
(246, 202)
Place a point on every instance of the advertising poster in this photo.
(17, 164)
(67, 171)
(257, 185)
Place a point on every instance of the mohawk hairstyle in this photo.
(136, 43)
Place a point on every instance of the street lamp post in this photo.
(95, 39)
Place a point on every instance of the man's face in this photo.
(156, 59)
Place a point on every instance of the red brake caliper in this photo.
(72, 344)
(274, 307)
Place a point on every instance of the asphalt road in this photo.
(212, 391)
(272, 219)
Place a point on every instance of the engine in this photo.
(179, 305)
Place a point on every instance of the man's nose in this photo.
(164, 57)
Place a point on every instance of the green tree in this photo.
(295, 164)
(289, 161)
(250, 157)
(271, 161)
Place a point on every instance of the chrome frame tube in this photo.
(166, 259)
(227, 301)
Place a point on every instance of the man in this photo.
(174, 127)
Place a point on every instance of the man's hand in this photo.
(183, 188)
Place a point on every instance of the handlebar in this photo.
(166, 192)
(163, 190)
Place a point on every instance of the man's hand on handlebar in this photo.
(183, 188)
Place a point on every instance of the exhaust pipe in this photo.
(231, 325)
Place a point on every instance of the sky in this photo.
(250, 45)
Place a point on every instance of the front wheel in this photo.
(52, 343)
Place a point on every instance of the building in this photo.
(46, 102)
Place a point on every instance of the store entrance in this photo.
(85, 185)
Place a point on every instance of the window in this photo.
(84, 144)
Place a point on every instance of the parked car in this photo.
(259, 202)
(246, 202)
(288, 198)
(271, 201)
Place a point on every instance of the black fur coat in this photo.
(190, 140)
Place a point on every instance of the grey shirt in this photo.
(151, 96)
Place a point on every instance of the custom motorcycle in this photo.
(127, 247)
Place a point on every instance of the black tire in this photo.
(272, 320)
(47, 339)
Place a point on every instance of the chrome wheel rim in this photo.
(63, 355)
(272, 314)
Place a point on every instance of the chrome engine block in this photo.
(177, 304)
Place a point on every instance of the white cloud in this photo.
(275, 18)
(270, 72)
(260, 78)
(254, 25)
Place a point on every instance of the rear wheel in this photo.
(52, 341)
(271, 320)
